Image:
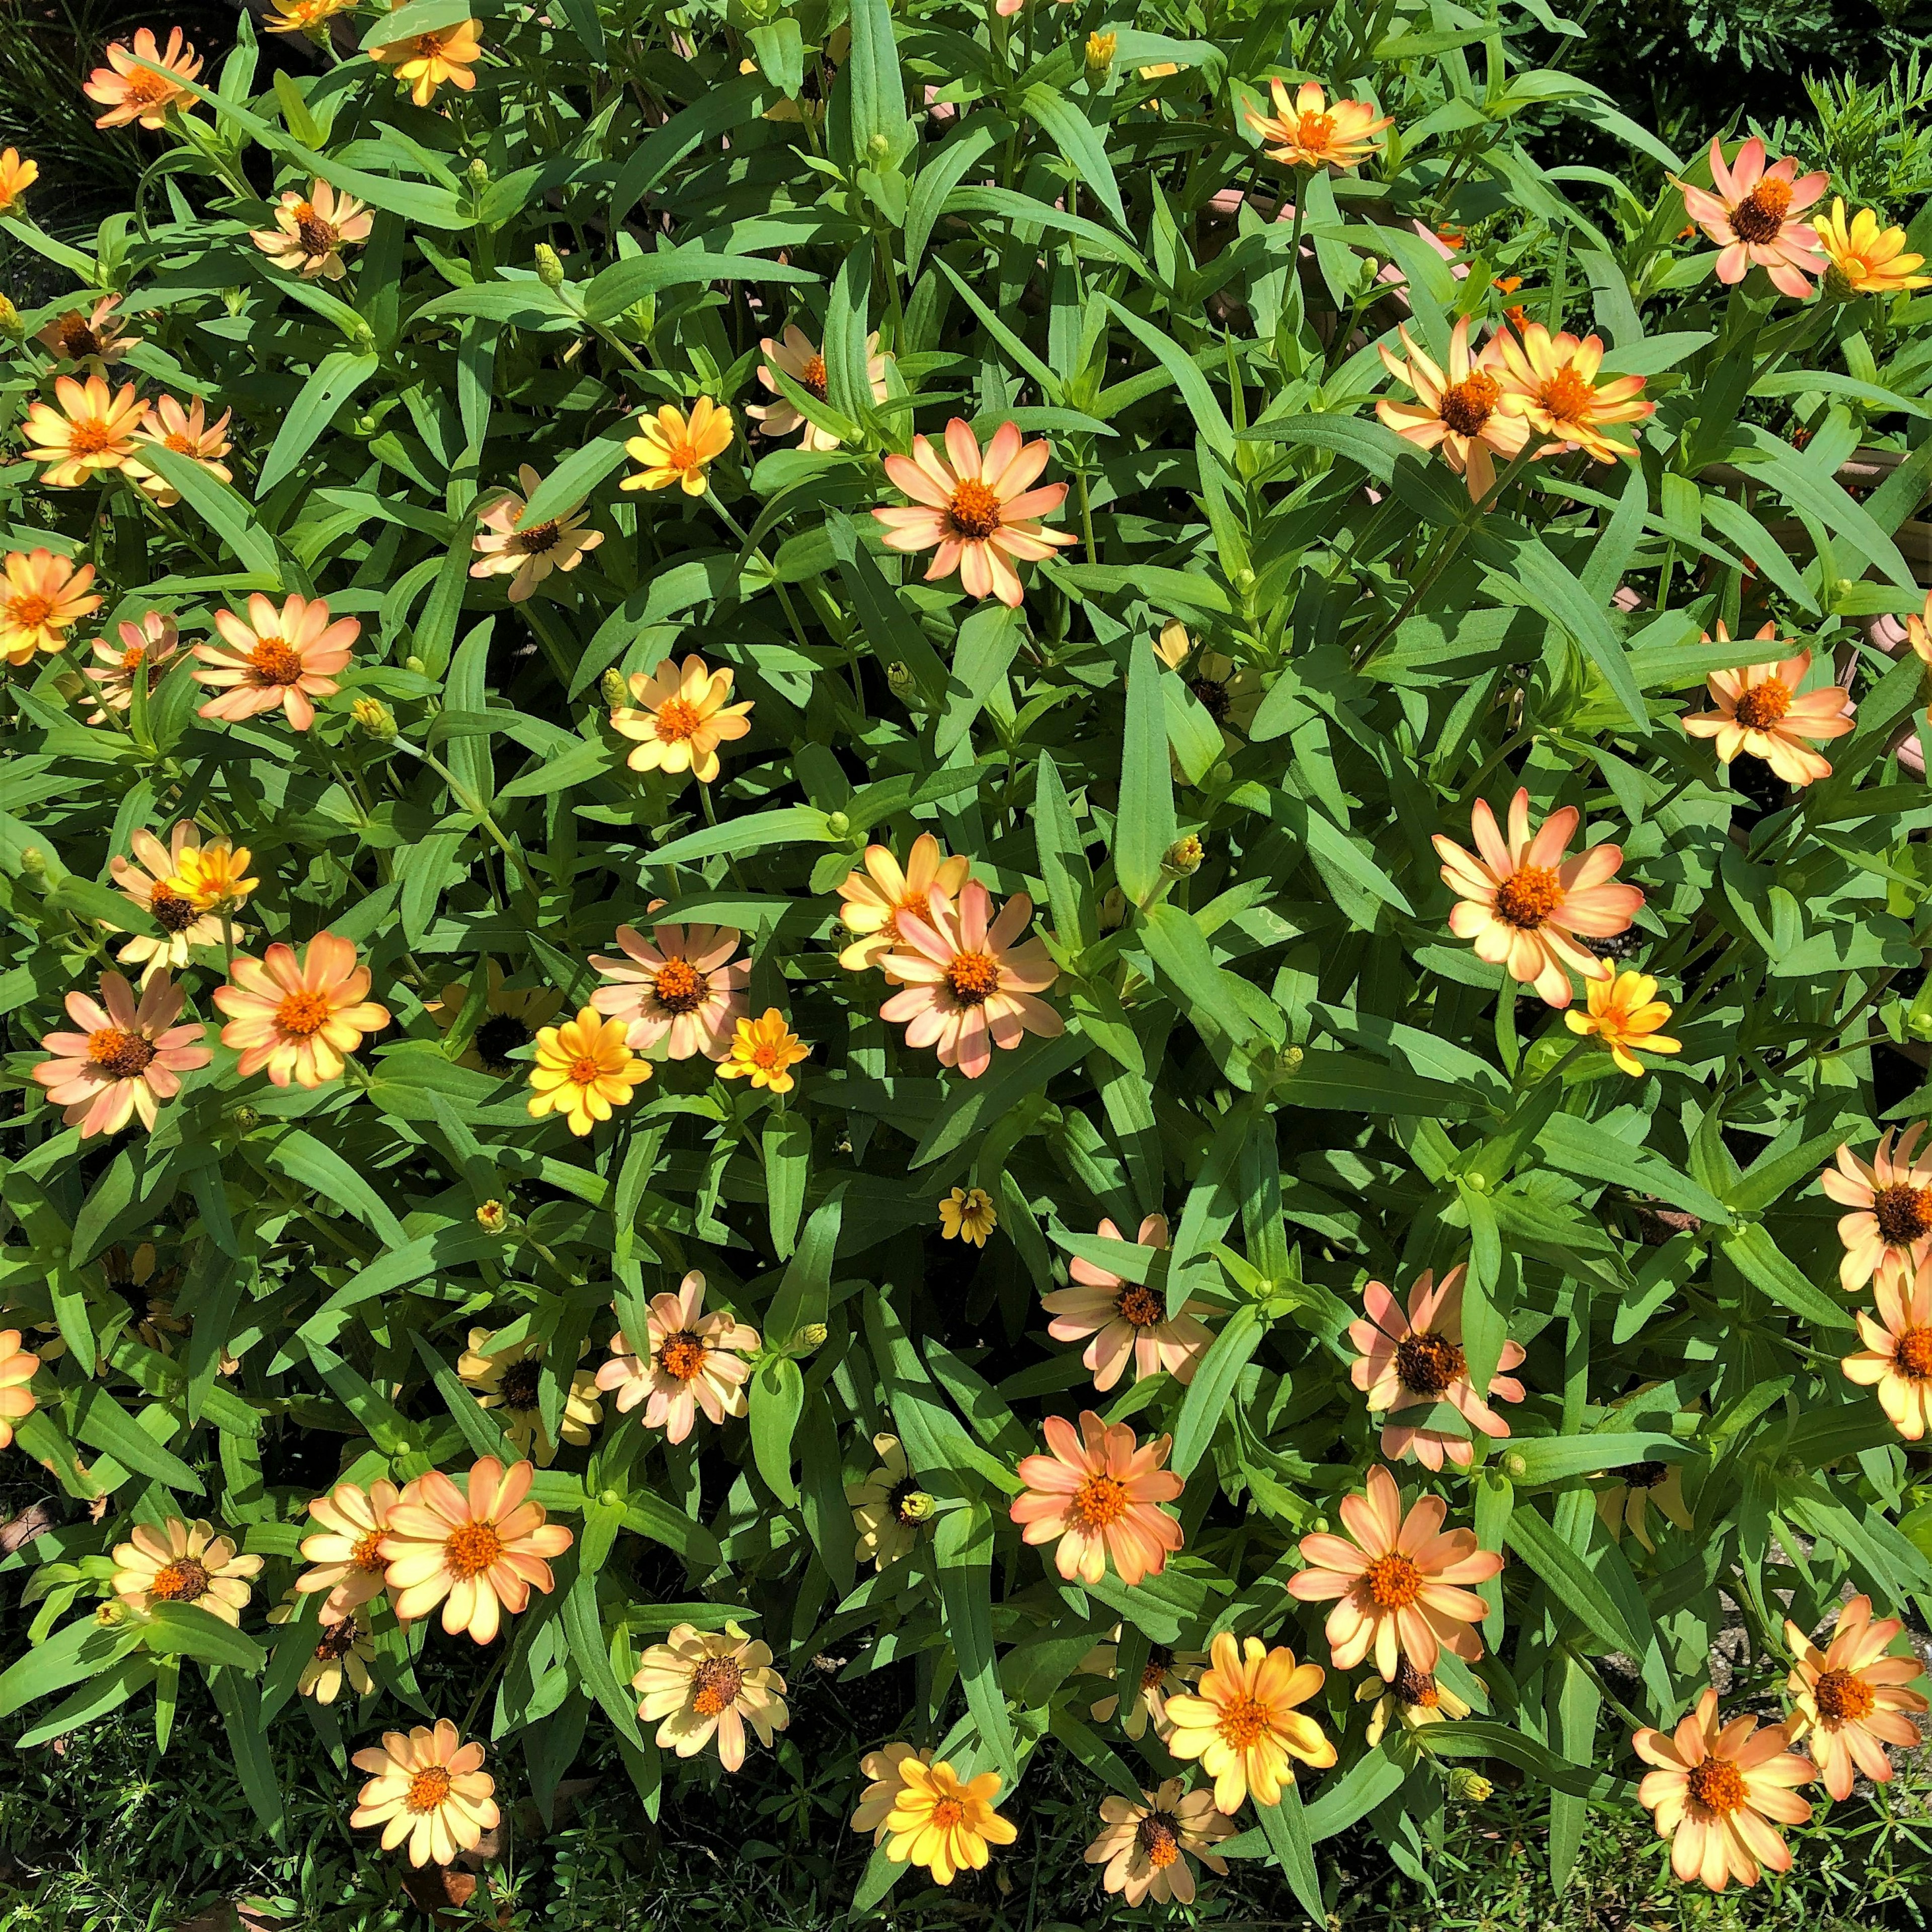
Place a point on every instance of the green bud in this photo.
(1920, 1024)
(33, 862)
(246, 1118)
(878, 151)
(1470, 1787)
(837, 825)
(813, 1335)
(1516, 1466)
(550, 266)
(1476, 1183)
(375, 719)
(612, 688)
(414, 666)
(915, 1506)
(479, 172)
(899, 678)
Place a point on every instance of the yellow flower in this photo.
(304, 17)
(937, 1822)
(1242, 1723)
(428, 1788)
(213, 877)
(680, 717)
(967, 1214)
(764, 1051)
(344, 1647)
(507, 1379)
(1868, 260)
(583, 1070)
(1625, 1014)
(16, 176)
(1311, 133)
(674, 450)
(1412, 1697)
(426, 61)
(888, 1506)
(183, 1563)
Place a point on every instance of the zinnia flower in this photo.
(1851, 1697)
(286, 658)
(941, 1823)
(131, 89)
(888, 1506)
(680, 718)
(1866, 258)
(703, 1684)
(801, 359)
(125, 1060)
(1524, 904)
(298, 1018)
(477, 1553)
(425, 62)
(1758, 711)
(16, 176)
(1459, 411)
(673, 449)
(1897, 1359)
(1128, 1320)
(969, 983)
(1144, 1845)
(187, 432)
(1242, 1723)
(507, 1379)
(1625, 1014)
(1716, 1793)
(512, 1017)
(42, 597)
(151, 880)
(682, 986)
(146, 649)
(1398, 1581)
(1551, 383)
(183, 1563)
(875, 894)
(1410, 1698)
(505, 548)
(85, 429)
(764, 1051)
(1750, 217)
(347, 1553)
(429, 1788)
(344, 1648)
(1403, 1361)
(981, 513)
(90, 339)
(303, 16)
(312, 230)
(1891, 1201)
(876, 1800)
(584, 1071)
(213, 875)
(1229, 693)
(1626, 1503)
(967, 1214)
(1099, 1496)
(691, 1361)
(17, 1368)
(1308, 133)
(1167, 1674)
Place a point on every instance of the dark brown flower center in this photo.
(1467, 405)
(1415, 1688)
(1761, 706)
(1140, 1305)
(538, 539)
(974, 978)
(974, 511)
(1158, 1837)
(119, 1053)
(519, 1385)
(813, 377)
(1529, 896)
(1645, 1475)
(1845, 1695)
(1758, 217)
(76, 339)
(1159, 1659)
(1903, 1212)
(174, 912)
(338, 1640)
(317, 237)
(680, 988)
(897, 1498)
(1717, 1785)
(714, 1685)
(1428, 1363)
(499, 1036)
(1213, 696)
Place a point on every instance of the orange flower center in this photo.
(1244, 1721)
(1911, 1354)
(1159, 1839)
(131, 658)
(76, 339)
(1140, 1305)
(813, 377)
(30, 611)
(429, 47)
(429, 1788)
(1415, 1688)
(1717, 1785)
(316, 236)
(367, 1556)
(119, 1053)
(1845, 1695)
(1314, 131)
(180, 1582)
(174, 912)
(1467, 405)
(303, 1014)
(714, 1685)
(948, 1812)
(1903, 1212)
(471, 1548)
(337, 1641)
(273, 662)
(974, 511)
(88, 437)
(144, 89)
(181, 445)
(1529, 896)
(680, 988)
(1393, 1582)
(974, 977)
(682, 1355)
(768, 1054)
(677, 721)
(583, 1071)
(1428, 1363)
(1761, 706)
(1098, 1502)
(1758, 217)
(1566, 396)
(1155, 1668)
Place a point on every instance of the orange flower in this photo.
(90, 341)
(425, 62)
(17, 1368)
(1143, 1845)
(1523, 904)
(429, 1788)
(1099, 1496)
(16, 176)
(1896, 1358)
(981, 513)
(304, 17)
(691, 1361)
(1625, 1013)
(1851, 1697)
(583, 1070)
(187, 432)
(298, 1018)
(285, 659)
(1309, 133)
(89, 430)
(1891, 1199)
(1759, 712)
(1867, 260)
(125, 1060)
(145, 648)
(42, 597)
(1749, 217)
(505, 548)
(129, 88)
(312, 230)
(1242, 1725)
(876, 896)
(1399, 1580)
(477, 1554)
(1128, 1320)
(178, 1562)
(1551, 383)
(1459, 411)
(1715, 1793)
(942, 1822)
(673, 449)
(680, 718)
(348, 1552)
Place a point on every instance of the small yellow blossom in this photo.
(1625, 1014)
(967, 1214)
(764, 1051)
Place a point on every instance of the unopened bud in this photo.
(109, 1614)
(1476, 1183)
(246, 1118)
(837, 825)
(1113, 910)
(375, 719)
(1100, 49)
(10, 320)
(479, 172)
(492, 1217)
(550, 266)
(1287, 1062)
(915, 1506)
(1516, 1466)
(414, 666)
(1183, 857)
(1471, 1787)
(612, 689)
(900, 678)
(811, 1336)
(1921, 1024)
(878, 151)
(33, 861)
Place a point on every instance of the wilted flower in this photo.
(967, 1214)
(312, 230)
(702, 1684)
(1308, 133)
(1127, 1321)
(1851, 1697)
(297, 1018)
(1750, 215)
(429, 1789)
(131, 88)
(125, 1060)
(672, 449)
(512, 1016)
(1143, 1845)
(1759, 712)
(679, 718)
(1098, 1496)
(90, 339)
(691, 1361)
(506, 548)
(180, 1562)
(1625, 1013)
(42, 597)
(1626, 1503)
(275, 659)
(344, 1647)
(1242, 1722)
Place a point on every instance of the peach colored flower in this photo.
(287, 657)
(1398, 1581)
(505, 548)
(1851, 1697)
(429, 1789)
(1308, 133)
(426, 61)
(1551, 383)
(1128, 1322)
(969, 983)
(672, 449)
(942, 1822)
(90, 339)
(17, 1369)
(1897, 1359)
(42, 597)
(1144, 1846)
(151, 881)
(1411, 1698)
(706, 1684)
(1460, 411)
(1166, 1675)
(146, 647)
(1523, 904)
(800, 358)
(1242, 1725)
(1867, 258)
(680, 717)
(980, 515)
(345, 1647)
(691, 1361)
(126, 1059)
(1891, 1201)
(131, 88)
(1098, 1496)
(1403, 1361)
(875, 894)
(312, 230)
(186, 432)
(347, 1551)
(296, 1018)
(1625, 1014)
(1715, 1794)
(16, 176)
(583, 1071)
(477, 1551)
(86, 429)
(178, 1562)
(1759, 711)
(508, 1381)
(764, 1051)
(1749, 216)
(682, 986)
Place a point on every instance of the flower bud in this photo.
(492, 1217)
(110, 1614)
(1471, 1787)
(246, 1118)
(612, 689)
(10, 321)
(1183, 858)
(878, 151)
(33, 862)
(550, 266)
(811, 1336)
(900, 679)
(837, 825)
(1100, 57)
(479, 172)
(375, 719)
(915, 1506)
(414, 666)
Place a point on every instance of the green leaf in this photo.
(335, 379)
(220, 507)
(1286, 1827)
(186, 1629)
(1215, 1375)
(1751, 1249)
(240, 1707)
(777, 1397)
(1571, 1585)
(611, 291)
(1145, 827)
(1079, 140)
(963, 1551)
(1203, 407)
(100, 1420)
